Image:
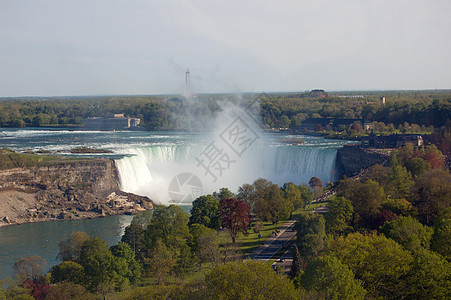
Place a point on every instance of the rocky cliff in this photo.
(352, 159)
(75, 189)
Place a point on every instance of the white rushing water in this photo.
(148, 162)
(148, 171)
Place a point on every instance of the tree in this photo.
(160, 260)
(258, 226)
(67, 290)
(441, 239)
(170, 225)
(68, 271)
(377, 173)
(224, 193)
(356, 127)
(205, 244)
(229, 251)
(306, 194)
(38, 289)
(248, 280)
(408, 232)
(265, 200)
(31, 267)
(383, 217)
(123, 250)
(404, 154)
(134, 237)
(400, 207)
(296, 264)
(246, 193)
(332, 279)
(275, 207)
(17, 292)
(134, 233)
(434, 157)
(185, 262)
(417, 166)
(380, 263)
(339, 216)
(316, 185)
(429, 277)
(235, 216)
(366, 199)
(69, 248)
(399, 182)
(432, 194)
(310, 234)
(292, 193)
(284, 122)
(104, 272)
(143, 219)
(205, 211)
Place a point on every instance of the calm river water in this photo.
(42, 238)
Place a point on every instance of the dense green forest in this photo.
(386, 235)
(278, 110)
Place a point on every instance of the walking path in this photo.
(275, 243)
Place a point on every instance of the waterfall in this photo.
(151, 170)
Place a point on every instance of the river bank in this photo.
(65, 190)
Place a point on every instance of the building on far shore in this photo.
(111, 122)
(392, 141)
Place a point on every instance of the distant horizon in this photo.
(225, 93)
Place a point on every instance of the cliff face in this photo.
(65, 190)
(352, 159)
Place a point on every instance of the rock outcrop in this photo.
(352, 159)
(75, 189)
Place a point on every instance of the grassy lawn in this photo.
(249, 243)
(310, 207)
(10, 159)
(296, 213)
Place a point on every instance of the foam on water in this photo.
(148, 171)
(148, 161)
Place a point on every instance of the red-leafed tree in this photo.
(36, 288)
(434, 159)
(235, 216)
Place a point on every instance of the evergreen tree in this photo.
(296, 265)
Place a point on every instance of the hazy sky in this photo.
(86, 47)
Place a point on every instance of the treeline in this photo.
(167, 242)
(386, 235)
(423, 109)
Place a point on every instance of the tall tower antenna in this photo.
(187, 84)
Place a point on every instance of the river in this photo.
(148, 161)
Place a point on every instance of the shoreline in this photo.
(87, 217)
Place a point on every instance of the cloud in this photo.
(141, 46)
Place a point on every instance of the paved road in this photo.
(274, 243)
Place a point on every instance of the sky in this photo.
(118, 47)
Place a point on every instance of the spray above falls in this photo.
(232, 150)
(149, 170)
